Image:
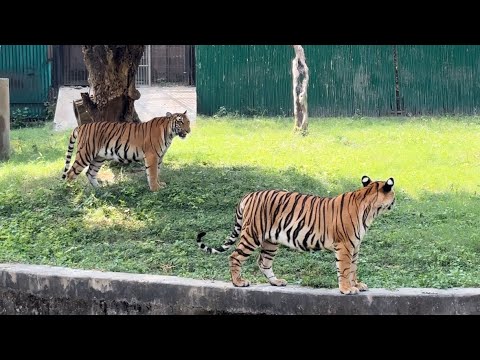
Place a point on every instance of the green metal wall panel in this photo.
(257, 79)
(439, 79)
(243, 78)
(29, 72)
(348, 80)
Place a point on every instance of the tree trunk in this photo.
(111, 76)
(300, 85)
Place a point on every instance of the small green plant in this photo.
(20, 114)
(222, 111)
(25, 116)
(22, 117)
(254, 112)
(249, 112)
(50, 107)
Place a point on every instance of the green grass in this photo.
(430, 239)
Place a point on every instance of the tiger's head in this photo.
(181, 124)
(379, 194)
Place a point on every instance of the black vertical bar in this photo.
(192, 65)
(167, 62)
(397, 83)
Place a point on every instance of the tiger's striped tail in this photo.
(73, 139)
(233, 236)
(231, 240)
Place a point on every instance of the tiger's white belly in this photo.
(283, 239)
(120, 154)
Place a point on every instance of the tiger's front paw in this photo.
(157, 186)
(154, 187)
(361, 286)
(241, 283)
(349, 290)
(278, 282)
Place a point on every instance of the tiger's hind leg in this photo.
(79, 164)
(265, 261)
(245, 248)
(93, 169)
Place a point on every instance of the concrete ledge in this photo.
(34, 289)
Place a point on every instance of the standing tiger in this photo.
(124, 142)
(268, 218)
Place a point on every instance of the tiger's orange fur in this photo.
(268, 218)
(124, 142)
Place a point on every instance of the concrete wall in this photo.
(33, 289)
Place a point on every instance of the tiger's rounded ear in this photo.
(168, 113)
(388, 185)
(185, 112)
(366, 180)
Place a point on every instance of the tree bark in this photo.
(81, 113)
(111, 76)
(300, 86)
